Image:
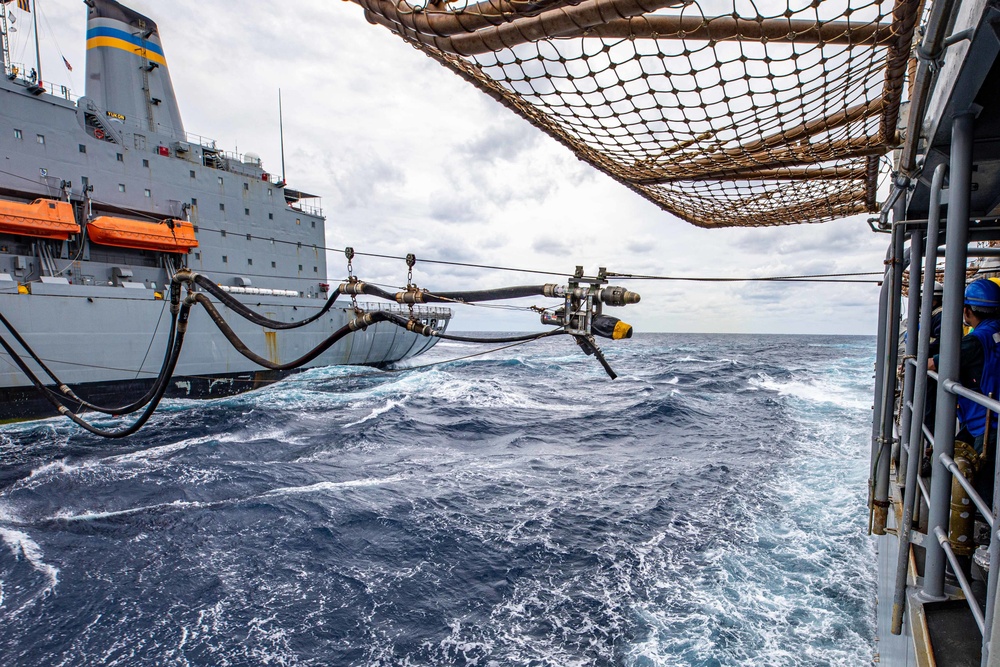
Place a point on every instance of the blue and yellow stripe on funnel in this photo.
(119, 39)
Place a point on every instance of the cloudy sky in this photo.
(410, 158)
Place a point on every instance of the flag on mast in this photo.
(66, 63)
(24, 4)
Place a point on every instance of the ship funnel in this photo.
(127, 72)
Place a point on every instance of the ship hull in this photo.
(109, 343)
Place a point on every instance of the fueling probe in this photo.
(582, 316)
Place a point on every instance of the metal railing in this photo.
(935, 496)
(21, 74)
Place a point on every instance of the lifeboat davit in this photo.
(166, 236)
(42, 218)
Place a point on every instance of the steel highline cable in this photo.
(818, 277)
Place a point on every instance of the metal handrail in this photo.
(974, 496)
(970, 597)
(954, 387)
(928, 435)
(924, 491)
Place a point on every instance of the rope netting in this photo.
(723, 112)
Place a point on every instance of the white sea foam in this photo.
(94, 515)
(381, 410)
(22, 546)
(332, 486)
(813, 391)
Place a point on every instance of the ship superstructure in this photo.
(104, 197)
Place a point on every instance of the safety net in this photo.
(722, 112)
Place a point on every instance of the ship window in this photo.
(148, 193)
(197, 255)
(193, 175)
(18, 134)
(246, 186)
(222, 207)
(315, 269)
(246, 211)
(222, 233)
(121, 187)
(194, 201)
(83, 149)
(274, 265)
(314, 224)
(249, 237)
(249, 261)
(220, 180)
(119, 157)
(270, 216)
(40, 138)
(225, 259)
(195, 228)
(298, 221)
(145, 163)
(300, 267)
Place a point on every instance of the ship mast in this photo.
(4, 39)
(281, 134)
(38, 51)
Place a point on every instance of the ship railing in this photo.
(204, 142)
(22, 74)
(931, 499)
(310, 209)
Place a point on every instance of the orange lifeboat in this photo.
(166, 236)
(42, 218)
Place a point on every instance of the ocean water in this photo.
(705, 509)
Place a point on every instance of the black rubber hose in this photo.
(444, 297)
(360, 323)
(248, 314)
(498, 294)
(54, 398)
(122, 410)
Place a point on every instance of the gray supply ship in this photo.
(103, 198)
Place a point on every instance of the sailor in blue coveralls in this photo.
(979, 369)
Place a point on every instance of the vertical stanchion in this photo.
(994, 551)
(956, 251)
(878, 403)
(891, 356)
(912, 334)
(916, 434)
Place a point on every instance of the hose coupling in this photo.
(418, 327)
(352, 288)
(411, 296)
(617, 296)
(362, 322)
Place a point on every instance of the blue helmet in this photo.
(982, 293)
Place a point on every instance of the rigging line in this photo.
(819, 277)
(151, 339)
(470, 356)
(52, 34)
(202, 227)
(623, 276)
